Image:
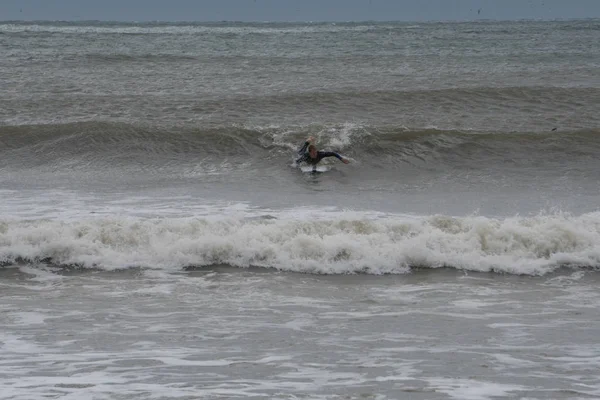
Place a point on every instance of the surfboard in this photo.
(310, 169)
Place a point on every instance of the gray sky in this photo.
(295, 10)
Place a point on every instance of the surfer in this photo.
(309, 154)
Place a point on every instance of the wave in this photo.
(96, 145)
(120, 58)
(489, 109)
(523, 95)
(183, 28)
(338, 245)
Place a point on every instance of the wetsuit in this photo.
(305, 156)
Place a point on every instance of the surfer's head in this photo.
(312, 151)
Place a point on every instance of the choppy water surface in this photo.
(157, 240)
(226, 333)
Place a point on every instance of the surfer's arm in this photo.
(303, 152)
(301, 158)
(334, 154)
(305, 145)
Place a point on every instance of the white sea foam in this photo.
(467, 389)
(25, 318)
(344, 135)
(335, 244)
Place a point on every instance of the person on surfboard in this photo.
(309, 154)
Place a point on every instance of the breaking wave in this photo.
(340, 244)
(98, 144)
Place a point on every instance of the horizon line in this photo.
(297, 21)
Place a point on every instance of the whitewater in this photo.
(321, 244)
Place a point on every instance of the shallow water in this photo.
(221, 332)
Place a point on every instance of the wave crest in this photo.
(103, 145)
(340, 245)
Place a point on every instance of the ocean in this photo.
(158, 241)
